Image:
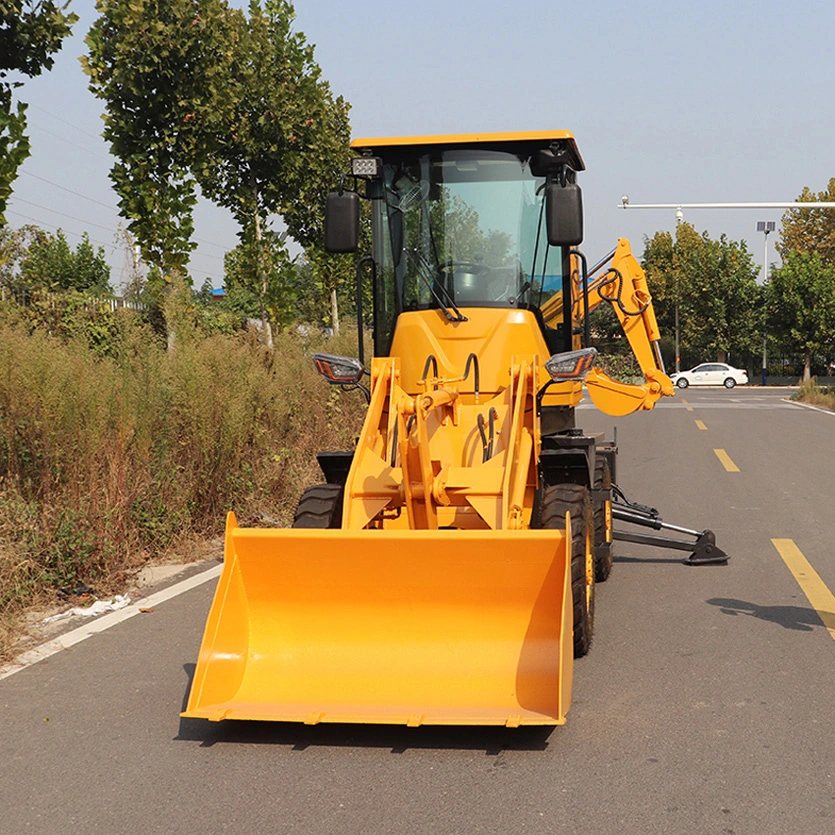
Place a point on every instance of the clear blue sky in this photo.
(669, 101)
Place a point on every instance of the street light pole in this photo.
(765, 226)
(679, 219)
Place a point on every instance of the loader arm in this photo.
(439, 458)
(624, 286)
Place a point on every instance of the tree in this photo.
(810, 230)
(714, 285)
(50, 264)
(262, 271)
(801, 305)
(31, 32)
(32, 260)
(278, 142)
(154, 64)
(13, 245)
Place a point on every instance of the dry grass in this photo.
(105, 462)
(813, 394)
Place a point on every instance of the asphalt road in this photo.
(705, 705)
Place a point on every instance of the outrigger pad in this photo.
(706, 552)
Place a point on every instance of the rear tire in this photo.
(320, 507)
(602, 521)
(682, 383)
(730, 383)
(554, 501)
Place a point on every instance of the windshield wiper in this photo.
(427, 275)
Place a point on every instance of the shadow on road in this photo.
(799, 618)
(661, 560)
(396, 738)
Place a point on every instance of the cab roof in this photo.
(519, 142)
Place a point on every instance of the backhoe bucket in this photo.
(412, 627)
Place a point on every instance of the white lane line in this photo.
(79, 634)
(809, 406)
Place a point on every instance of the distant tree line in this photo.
(724, 314)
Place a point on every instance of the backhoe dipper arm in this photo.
(624, 286)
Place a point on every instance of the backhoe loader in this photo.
(445, 572)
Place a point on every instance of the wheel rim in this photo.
(589, 570)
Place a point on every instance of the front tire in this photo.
(554, 502)
(320, 506)
(730, 383)
(682, 383)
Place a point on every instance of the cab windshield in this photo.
(464, 228)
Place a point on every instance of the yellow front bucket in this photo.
(395, 627)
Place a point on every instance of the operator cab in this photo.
(465, 221)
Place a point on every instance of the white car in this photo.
(711, 374)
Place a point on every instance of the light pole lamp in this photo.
(765, 226)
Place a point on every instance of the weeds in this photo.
(105, 459)
(810, 392)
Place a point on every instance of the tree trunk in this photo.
(807, 366)
(334, 313)
(262, 273)
(722, 356)
(167, 313)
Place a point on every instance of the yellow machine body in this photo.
(437, 597)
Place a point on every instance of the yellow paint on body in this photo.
(726, 461)
(809, 581)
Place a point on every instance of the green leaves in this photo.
(713, 283)
(801, 304)
(199, 93)
(153, 65)
(810, 230)
(33, 260)
(14, 149)
(31, 32)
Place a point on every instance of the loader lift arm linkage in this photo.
(445, 574)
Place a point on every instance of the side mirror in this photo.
(564, 214)
(342, 222)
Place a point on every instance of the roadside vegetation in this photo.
(109, 458)
(813, 394)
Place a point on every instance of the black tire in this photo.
(554, 501)
(729, 383)
(682, 383)
(320, 507)
(602, 521)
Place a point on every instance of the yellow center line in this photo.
(809, 581)
(689, 408)
(700, 424)
(726, 461)
(684, 401)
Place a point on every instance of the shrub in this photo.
(105, 459)
(810, 392)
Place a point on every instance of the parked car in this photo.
(711, 374)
